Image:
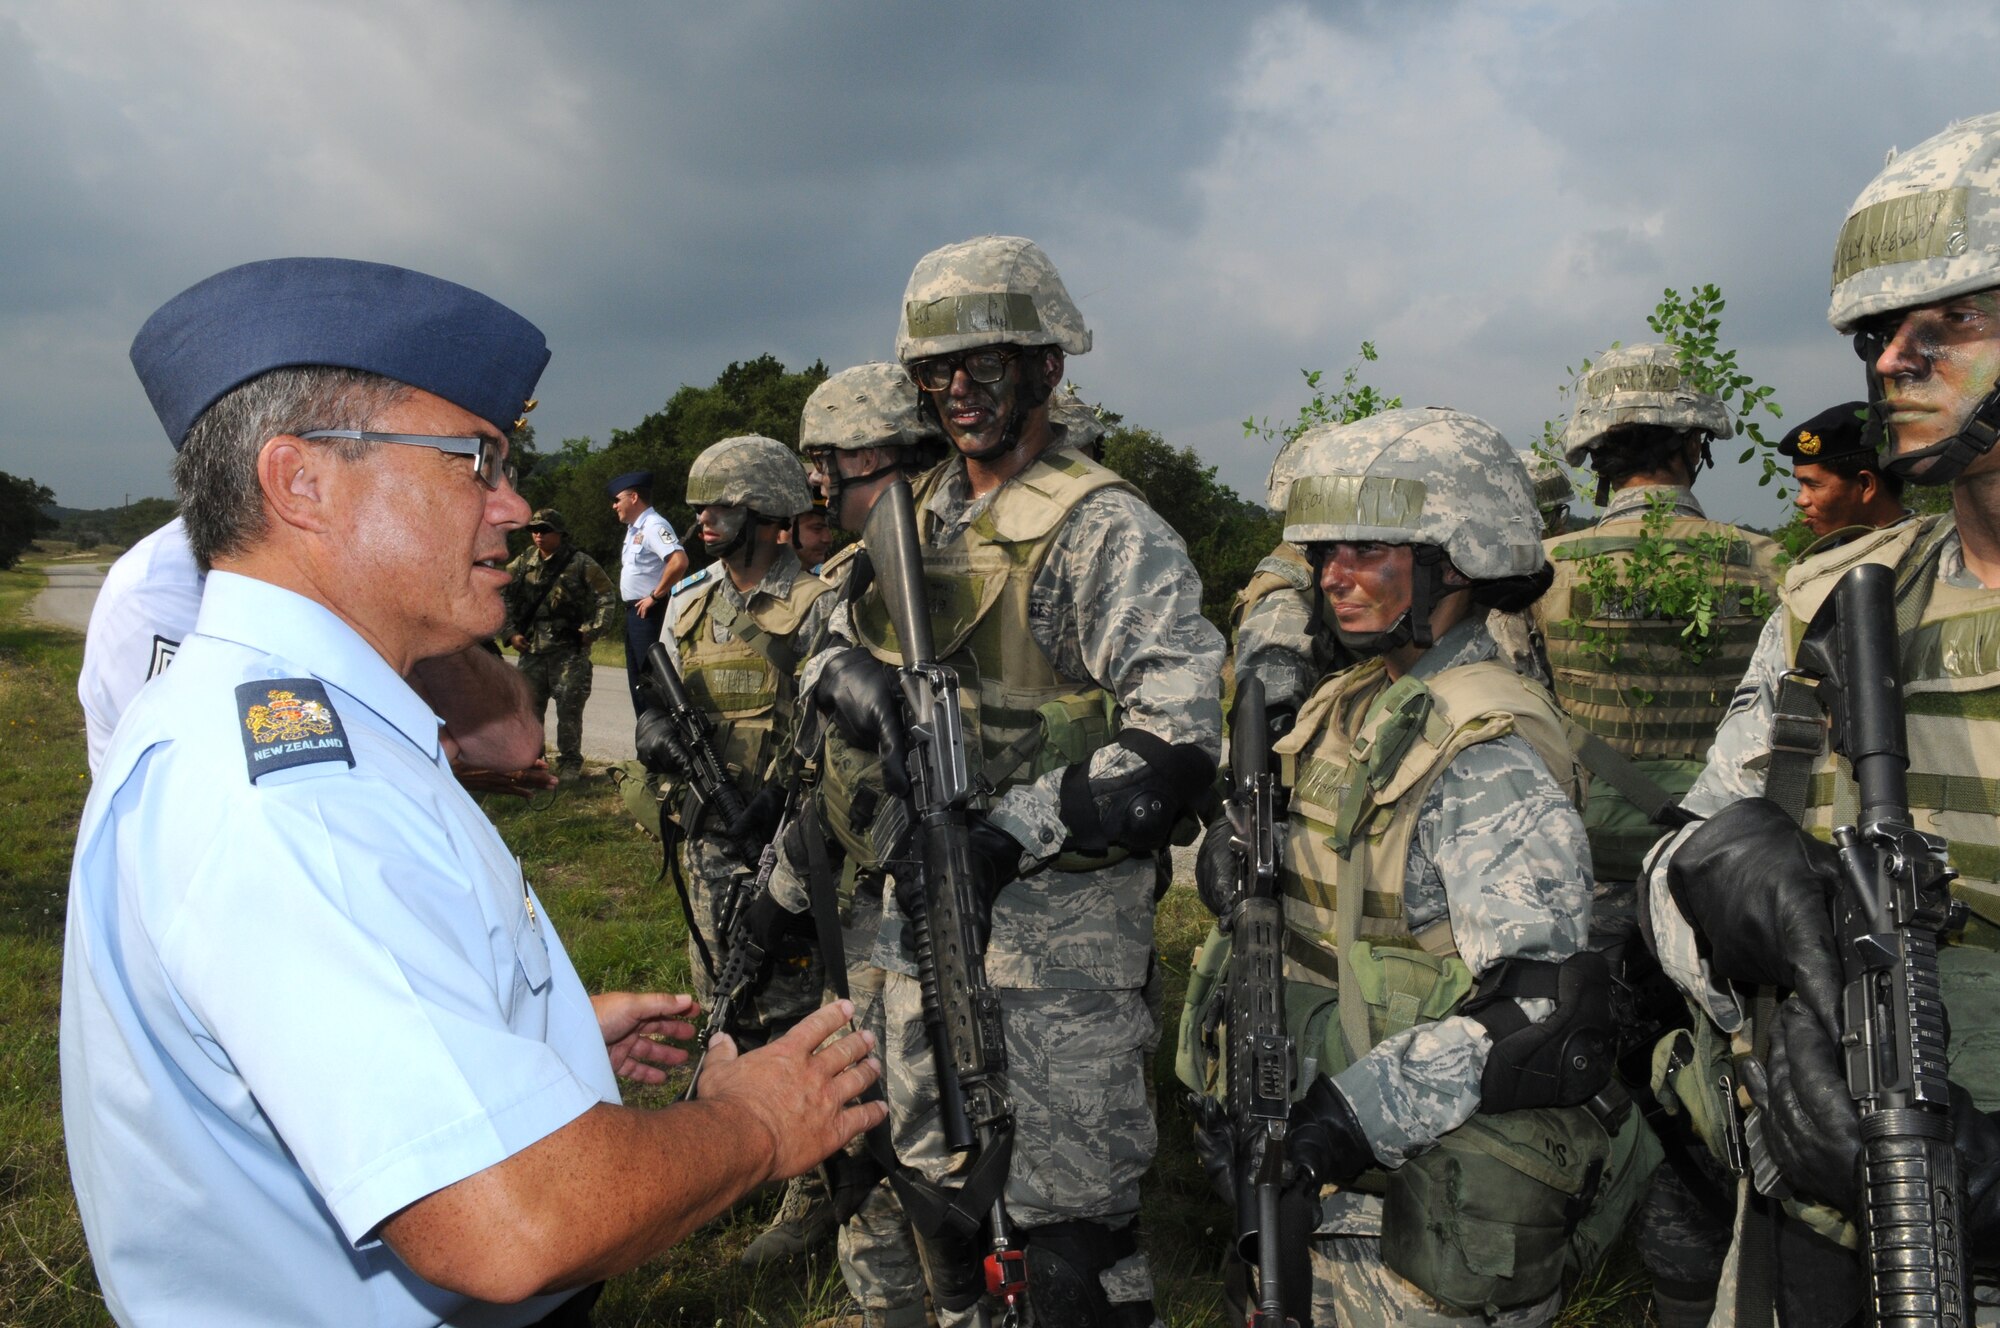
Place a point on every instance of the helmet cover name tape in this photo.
(1355, 500)
(1650, 376)
(956, 315)
(1906, 229)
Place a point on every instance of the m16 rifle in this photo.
(687, 732)
(961, 1012)
(1894, 900)
(1262, 1064)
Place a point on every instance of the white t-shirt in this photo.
(144, 611)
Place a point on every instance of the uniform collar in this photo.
(777, 580)
(1464, 642)
(307, 635)
(1637, 501)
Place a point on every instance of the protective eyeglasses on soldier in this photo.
(488, 454)
(1931, 328)
(988, 364)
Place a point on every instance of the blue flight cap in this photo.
(631, 479)
(286, 312)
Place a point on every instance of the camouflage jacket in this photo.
(552, 600)
(1499, 848)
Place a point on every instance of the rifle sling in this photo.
(670, 866)
(1622, 773)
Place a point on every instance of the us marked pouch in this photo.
(1507, 1206)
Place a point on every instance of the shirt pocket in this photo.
(531, 950)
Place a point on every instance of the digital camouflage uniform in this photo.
(1925, 229)
(1432, 834)
(556, 603)
(1114, 608)
(868, 406)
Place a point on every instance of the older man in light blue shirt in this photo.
(324, 1058)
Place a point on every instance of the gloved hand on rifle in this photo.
(759, 821)
(996, 864)
(1216, 867)
(658, 750)
(1135, 810)
(858, 692)
(1324, 1144)
(1814, 1129)
(1758, 892)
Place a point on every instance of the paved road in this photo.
(607, 716)
(72, 590)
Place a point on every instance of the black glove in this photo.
(1811, 1121)
(764, 920)
(1978, 1137)
(1324, 1144)
(1215, 1149)
(658, 752)
(996, 863)
(1215, 867)
(1758, 891)
(759, 821)
(859, 693)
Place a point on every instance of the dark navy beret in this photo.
(286, 312)
(1834, 432)
(631, 479)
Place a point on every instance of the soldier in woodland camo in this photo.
(558, 603)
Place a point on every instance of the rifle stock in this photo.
(1894, 900)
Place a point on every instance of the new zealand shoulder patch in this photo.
(288, 722)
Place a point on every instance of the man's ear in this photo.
(295, 480)
(1052, 367)
(1867, 484)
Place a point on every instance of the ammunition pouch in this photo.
(1507, 1206)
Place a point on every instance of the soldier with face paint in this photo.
(1072, 616)
(1437, 896)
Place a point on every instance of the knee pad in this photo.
(1065, 1260)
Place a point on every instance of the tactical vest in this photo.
(1951, 697)
(1284, 568)
(746, 683)
(1022, 719)
(1506, 1205)
(1625, 678)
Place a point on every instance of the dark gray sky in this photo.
(1233, 192)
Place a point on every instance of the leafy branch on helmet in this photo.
(1692, 325)
(1355, 400)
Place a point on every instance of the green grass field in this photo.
(595, 871)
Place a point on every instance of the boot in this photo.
(804, 1223)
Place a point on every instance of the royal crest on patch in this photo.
(288, 722)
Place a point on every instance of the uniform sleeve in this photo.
(1735, 770)
(1501, 848)
(604, 612)
(1118, 602)
(660, 537)
(1274, 644)
(342, 954)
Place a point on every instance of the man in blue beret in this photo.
(324, 1059)
(651, 561)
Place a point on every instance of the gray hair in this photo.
(216, 469)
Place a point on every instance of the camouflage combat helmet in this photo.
(549, 517)
(1427, 476)
(870, 405)
(1284, 469)
(1551, 481)
(1927, 228)
(995, 290)
(1638, 385)
(1083, 429)
(753, 472)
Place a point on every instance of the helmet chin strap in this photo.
(838, 484)
(1943, 461)
(1029, 393)
(1414, 627)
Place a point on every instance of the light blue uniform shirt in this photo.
(293, 1007)
(649, 542)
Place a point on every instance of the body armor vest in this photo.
(748, 682)
(1951, 695)
(1022, 719)
(1626, 679)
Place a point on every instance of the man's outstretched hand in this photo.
(633, 1021)
(800, 1090)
